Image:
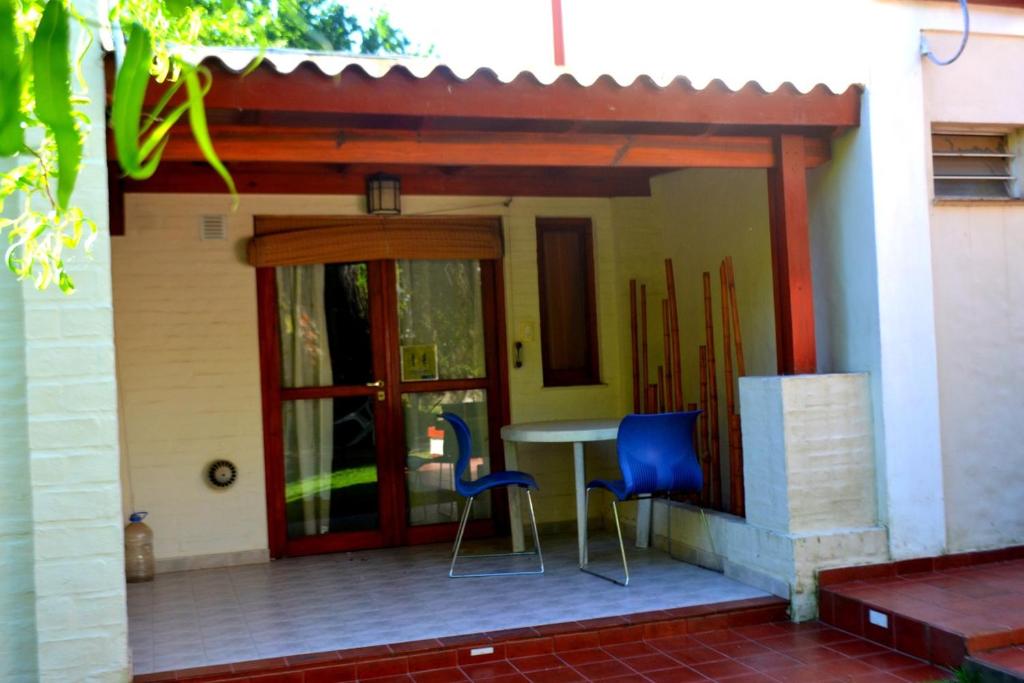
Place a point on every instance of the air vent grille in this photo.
(213, 227)
(972, 165)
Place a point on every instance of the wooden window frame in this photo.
(591, 374)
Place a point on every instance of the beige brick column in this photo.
(63, 611)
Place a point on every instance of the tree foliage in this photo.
(43, 99)
(304, 24)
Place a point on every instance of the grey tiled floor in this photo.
(372, 597)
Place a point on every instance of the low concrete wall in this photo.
(810, 491)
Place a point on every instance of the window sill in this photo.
(575, 386)
(975, 201)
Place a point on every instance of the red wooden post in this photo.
(791, 259)
(558, 33)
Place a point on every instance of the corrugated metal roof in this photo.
(285, 61)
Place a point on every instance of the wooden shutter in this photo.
(292, 240)
(568, 311)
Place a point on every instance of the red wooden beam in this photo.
(313, 178)
(468, 148)
(791, 259)
(442, 94)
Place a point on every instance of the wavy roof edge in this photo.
(332, 64)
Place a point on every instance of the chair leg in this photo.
(622, 546)
(458, 542)
(458, 536)
(536, 536)
(585, 565)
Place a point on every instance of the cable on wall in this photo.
(927, 51)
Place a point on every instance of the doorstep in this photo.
(939, 609)
(434, 654)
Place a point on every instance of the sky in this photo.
(490, 32)
(737, 41)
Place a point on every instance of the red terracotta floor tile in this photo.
(697, 655)
(923, 673)
(487, 670)
(681, 674)
(537, 663)
(722, 668)
(563, 675)
(651, 662)
(576, 657)
(890, 661)
(719, 636)
(601, 670)
(768, 661)
(748, 678)
(452, 675)
(629, 649)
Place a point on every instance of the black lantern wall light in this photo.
(383, 195)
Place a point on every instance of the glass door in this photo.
(328, 431)
(443, 351)
(360, 361)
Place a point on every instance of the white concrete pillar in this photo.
(910, 457)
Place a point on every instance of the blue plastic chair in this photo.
(655, 455)
(471, 489)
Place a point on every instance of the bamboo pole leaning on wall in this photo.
(675, 358)
(741, 366)
(735, 425)
(646, 406)
(633, 340)
(661, 389)
(702, 425)
(735, 466)
(709, 333)
(667, 343)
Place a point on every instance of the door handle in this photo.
(379, 383)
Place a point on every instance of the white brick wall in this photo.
(17, 600)
(808, 452)
(62, 593)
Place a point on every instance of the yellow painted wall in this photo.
(697, 217)
(188, 366)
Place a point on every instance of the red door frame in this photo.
(389, 422)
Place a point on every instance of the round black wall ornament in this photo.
(221, 473)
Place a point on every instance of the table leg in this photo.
(515, 510)
(581, 497)
(643, 522)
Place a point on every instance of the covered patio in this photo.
(657, 169)
(386, 597)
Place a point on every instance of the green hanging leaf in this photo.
(51, 72)
(12, 135)
(139, 158)
(126, 107)
(200, 131)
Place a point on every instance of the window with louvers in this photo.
(972, 166)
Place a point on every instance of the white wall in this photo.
(979, 288)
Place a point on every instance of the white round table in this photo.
(576, 432)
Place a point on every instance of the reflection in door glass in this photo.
(323, 314)
(330, 466)
(432, 453)
(440, 312)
